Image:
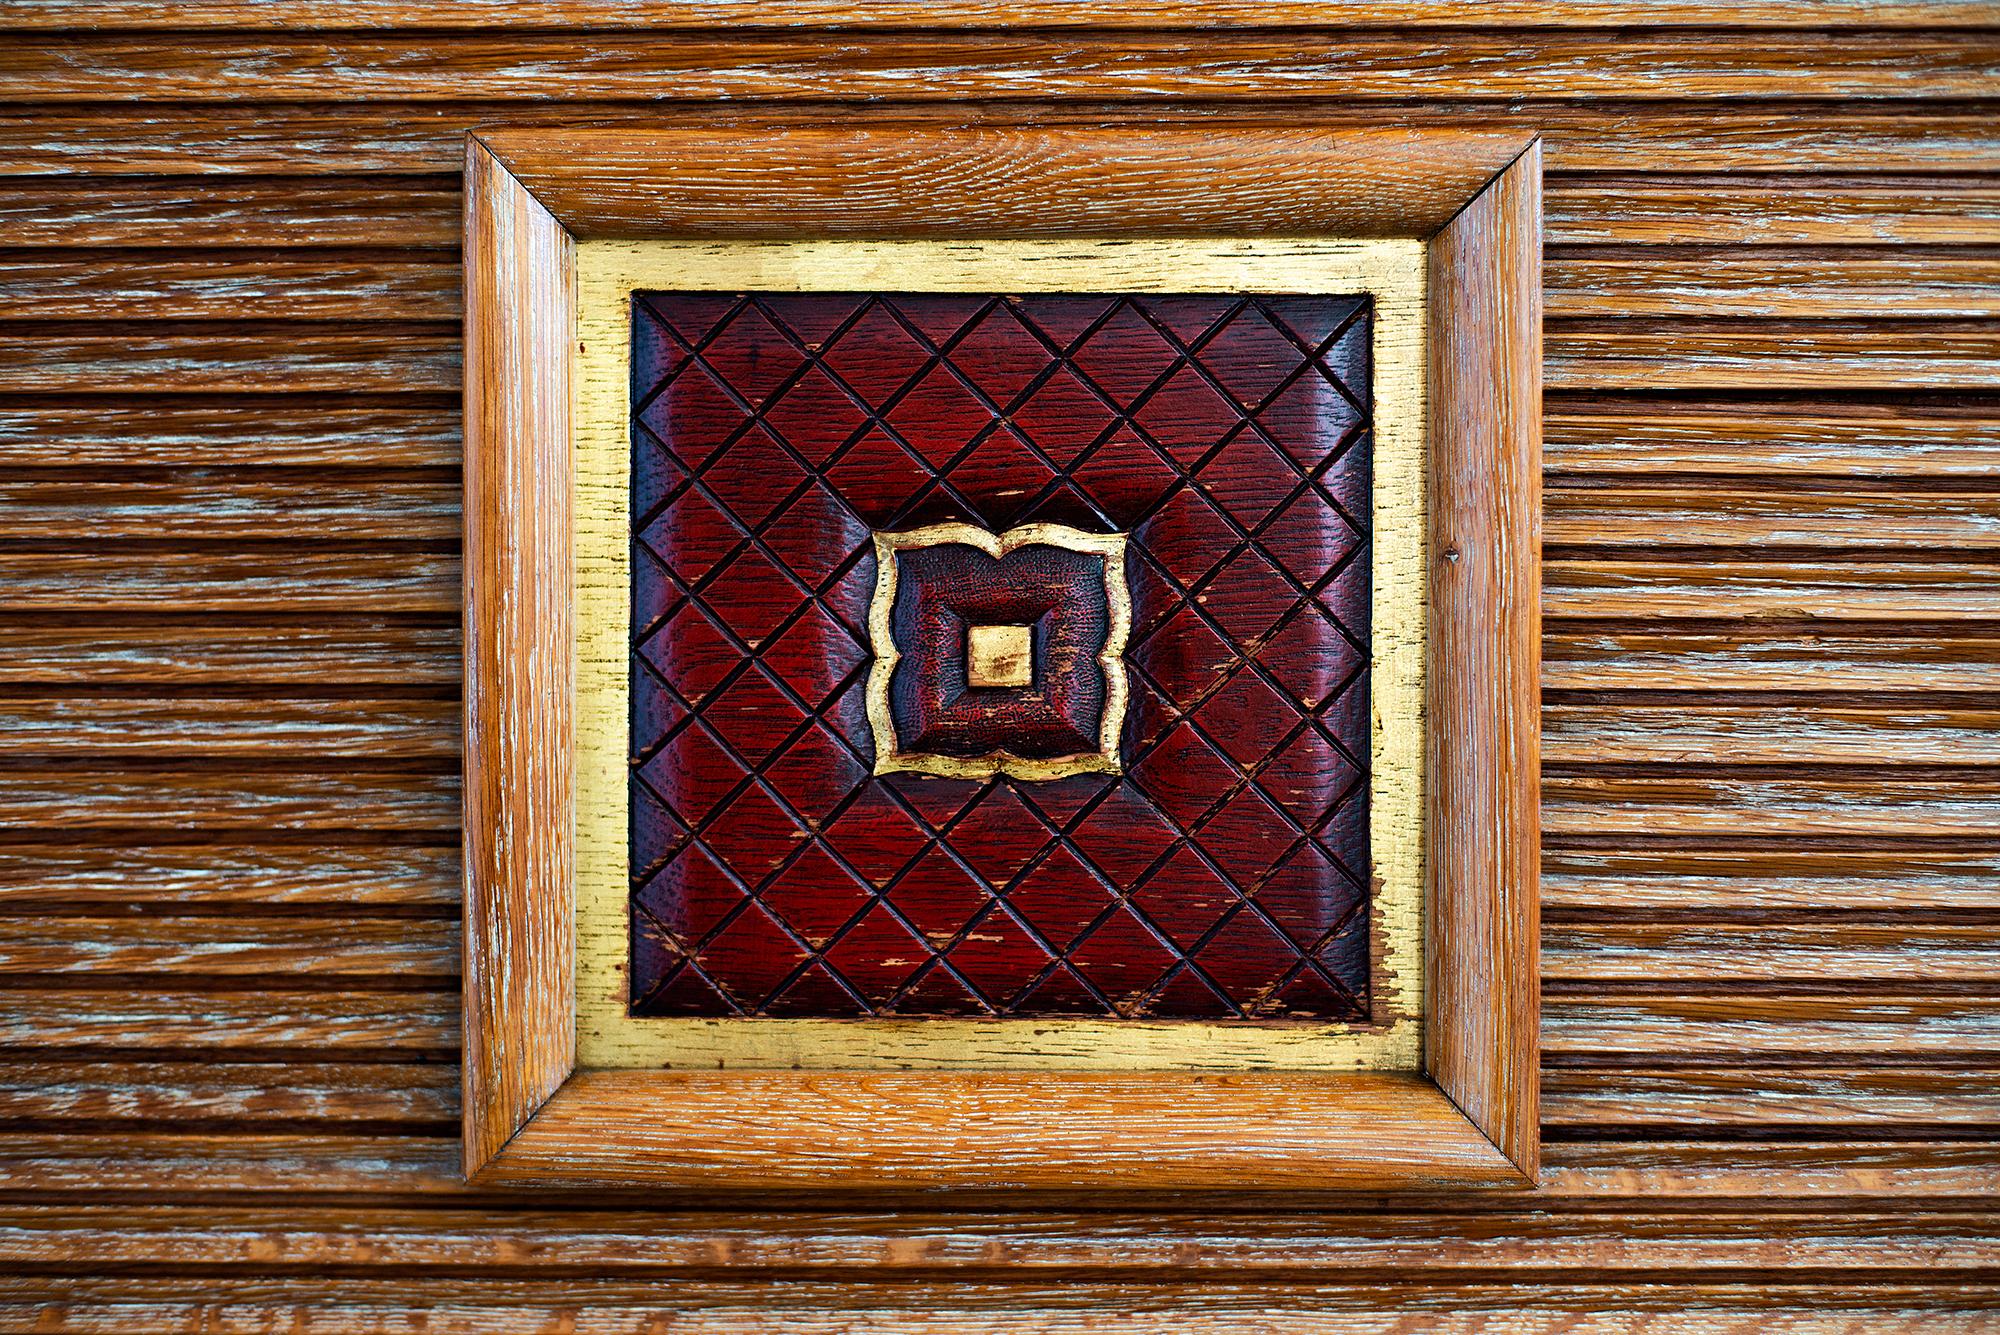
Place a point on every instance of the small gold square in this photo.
(999, 656)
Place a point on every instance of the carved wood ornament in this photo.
(986, 728)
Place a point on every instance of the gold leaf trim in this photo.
(890, 758)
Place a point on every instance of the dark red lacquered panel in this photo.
(1223, 874)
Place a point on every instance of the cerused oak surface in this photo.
(845, 1132)
(1769, 1023)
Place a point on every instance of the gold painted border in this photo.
(890, 758)
(608, 272)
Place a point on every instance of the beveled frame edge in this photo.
(890, 758)
(519, 996)
(531, 1118)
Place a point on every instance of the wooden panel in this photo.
(229, 398)
(789, 181)
(1484, 657)
(520, 1016)
(1011, 1134)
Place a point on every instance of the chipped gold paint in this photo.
(608, 272)
(999, 657)
(890, 758)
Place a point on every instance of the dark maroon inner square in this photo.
(1222, 875)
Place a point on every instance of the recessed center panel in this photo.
(1096, 745)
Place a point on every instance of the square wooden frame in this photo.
(1471, 1119)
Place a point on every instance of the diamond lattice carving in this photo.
(1222, 874)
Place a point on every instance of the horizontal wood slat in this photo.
(1771, 658)
(387, 361)
(935, 68)
(1713, 514)
(232, 946)
(1761, 734)
(671, 1245)
(254, 15)
(1780, 439)
(217, 508)
(377, 1093)
(215, 874)
(291, 582)
(414, 1167)
(714, 1308)
(37, 287)
(254, 429)
(1667, 882)
(293, 213)
(1697, 804)
(275, 652)
(1676, 586)
(385, 135)
(1731, 210)
(302, 213)
(210, 800)
(267, 1020)
(1663, 282)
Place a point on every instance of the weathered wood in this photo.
(921, 66)
(1743, 514)
(1665, 883)
(1645, 208)
(808, 180)
(406, 137)
(1745, 354)
(294, 214)
(66, 1306)
(1484, 662)
(393, 359)
(1778, 658)
(1818, 1099)
(1768, 956)
(277, 431)
(130, 872)
(1822, 283)
(40, 287)
(269, 1021)
(214, 800)
(1776, 438)
(1726, 588)
(1697, 805)
(525, 1243)
(272, 652)
(1659, 1027)
(236, 505)
(1770, 1032)
(253, 15)
(1001, 1133)
(287, 582)
(289, 947)
(420, 1097)
(520, 982)
(1760, 734)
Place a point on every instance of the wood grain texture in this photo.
(795, 181)
(306, 15)
(191, 1150)
(1481, 1028)
(1025, 1133)
(920, 66)
(387, 136)
(520, 997)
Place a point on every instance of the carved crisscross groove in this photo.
(1317, 969)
